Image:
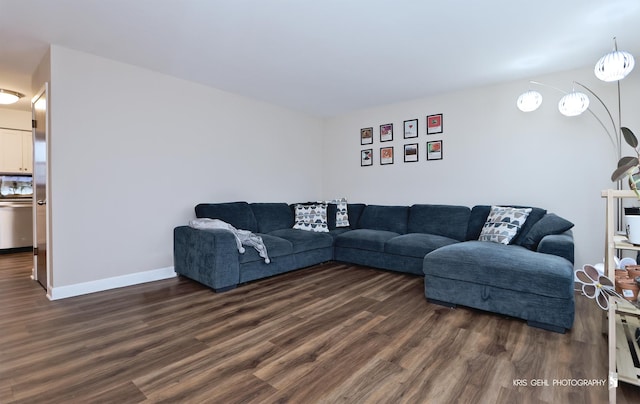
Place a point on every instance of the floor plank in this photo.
(332, 333)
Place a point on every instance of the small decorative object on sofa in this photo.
(342, 212)
(243, 237)
(311, 217)
(503, 224)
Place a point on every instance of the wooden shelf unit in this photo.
(623, 317)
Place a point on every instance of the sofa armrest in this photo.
(207, 256)
(558, 244)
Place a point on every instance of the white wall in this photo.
(493, 154)
(42, 74)
(133, 151)
(15, 119)
(128, 164)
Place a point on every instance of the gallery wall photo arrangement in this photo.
(366, 157)
(366, 136)
(410, 128)
(386, 132)
(386, 155)
(434, 150)
(434, 124)
(410, 152)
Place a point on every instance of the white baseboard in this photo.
(62, 292)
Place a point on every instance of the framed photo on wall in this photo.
(410, 152)
(366, 136)
(434, 150)
(434, 124)
(366, 157)
(410, 128)
(386, 132)
(386, 155)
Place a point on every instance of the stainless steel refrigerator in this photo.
(16, 211)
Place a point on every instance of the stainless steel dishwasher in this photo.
(16, 223)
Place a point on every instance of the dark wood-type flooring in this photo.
(327, 334)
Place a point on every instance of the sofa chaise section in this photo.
(531, 279)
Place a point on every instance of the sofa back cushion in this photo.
(354, 210)
(442, 220)
(389, 218)
(272, 216)
(237, 214)
(479, 214)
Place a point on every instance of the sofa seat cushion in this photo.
(504, 266)
(365, 239)
(336, 232)
(276, 247)
(416, 244)
(303, 240)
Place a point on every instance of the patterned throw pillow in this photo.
(342, 215)
(311, 218)
(503, 224)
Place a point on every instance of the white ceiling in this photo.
(324, 57)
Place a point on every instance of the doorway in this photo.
(39, 108)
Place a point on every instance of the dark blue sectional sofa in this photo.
(532, 278)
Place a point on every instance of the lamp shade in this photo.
(9, 97)
(614, 66)
(573, 104)
(529, 101)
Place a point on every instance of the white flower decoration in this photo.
(596, 286)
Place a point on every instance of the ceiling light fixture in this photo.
(9, 97)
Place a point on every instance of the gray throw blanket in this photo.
(243, 237)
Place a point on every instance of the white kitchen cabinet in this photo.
(27, 152)
(16, 151)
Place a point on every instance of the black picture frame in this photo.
(410, 152)
(434, 150)
(410, 128)
(386, 155)
(366, 157)
(434, 124)
(366, 136)
(386, 132)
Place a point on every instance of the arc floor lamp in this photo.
(614, 66)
